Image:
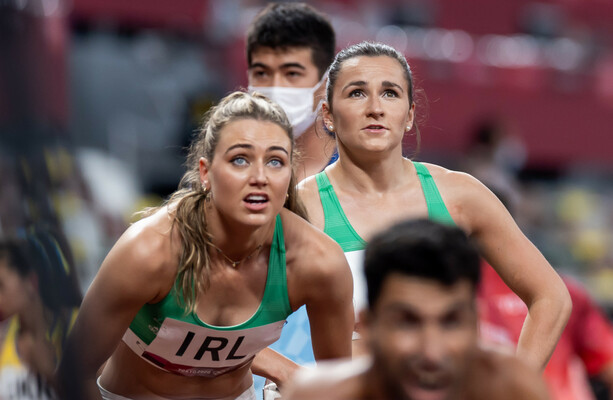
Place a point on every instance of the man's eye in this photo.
(259, 73)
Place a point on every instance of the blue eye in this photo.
(239, 161)
(276, 163)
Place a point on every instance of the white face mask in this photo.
(296, 102)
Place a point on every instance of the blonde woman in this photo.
(189, 298)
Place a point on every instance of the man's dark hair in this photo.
(281, 25)
(420, 248)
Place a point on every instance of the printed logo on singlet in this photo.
(193, 350)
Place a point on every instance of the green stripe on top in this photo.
(274, 307)
(336, 224)
(437, 211)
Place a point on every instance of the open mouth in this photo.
(256, 199)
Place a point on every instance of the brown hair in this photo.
(371, 49)
(189, 198)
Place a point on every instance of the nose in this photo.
(374, 108)
(258, 175)
(433, 349)
(277, 79)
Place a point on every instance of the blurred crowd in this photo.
(97, 105)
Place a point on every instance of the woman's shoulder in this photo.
(316, 264)
(305, 242)
(150, 244)
(454, 184)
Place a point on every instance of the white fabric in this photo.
(296, 102)
(248, 394)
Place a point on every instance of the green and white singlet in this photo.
(338, 227)
(167, 336)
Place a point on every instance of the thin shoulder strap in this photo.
(437, 210)
(336, 223)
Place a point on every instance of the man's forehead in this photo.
(425, 294)
(276, 56)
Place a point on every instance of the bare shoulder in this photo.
(314, 260)
(330, 380)
(305, 243)
(148, 249)
(495, 375)
(466, 198)
(308, 192)
(453, 183)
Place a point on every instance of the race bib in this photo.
(192, 350)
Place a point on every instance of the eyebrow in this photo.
(250, 147)
(408, 309)
(386, 84)
(283, 66)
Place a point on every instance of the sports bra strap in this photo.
(336, 224)
(437, 210)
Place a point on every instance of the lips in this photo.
(375, 128)
(256, 202)
(256, 198)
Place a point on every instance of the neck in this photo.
(316, 149)
(237, 241)
(378, 386)
(372, 173)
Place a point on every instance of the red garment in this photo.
(586, 345)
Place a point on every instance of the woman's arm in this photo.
(274, 366)
(131, 275)
(520, 264)
(328, 290)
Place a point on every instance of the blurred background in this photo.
(98, 99)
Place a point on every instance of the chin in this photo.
(420, 393)
(257, 220)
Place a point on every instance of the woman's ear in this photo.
(203, 166)
(410, 118)
(327, 117)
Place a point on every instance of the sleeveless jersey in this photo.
(338, 227)
(170, 338)
(295, 341)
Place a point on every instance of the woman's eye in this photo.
(276, 163)
(390, 93)
(240, 161)
(356, 93)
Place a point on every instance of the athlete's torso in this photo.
(168, 337)
(338, 227)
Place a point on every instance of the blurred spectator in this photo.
(585, 348)
(38, 303)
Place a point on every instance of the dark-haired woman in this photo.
(370, 107)
(38, 304)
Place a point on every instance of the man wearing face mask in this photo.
(289, 48)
